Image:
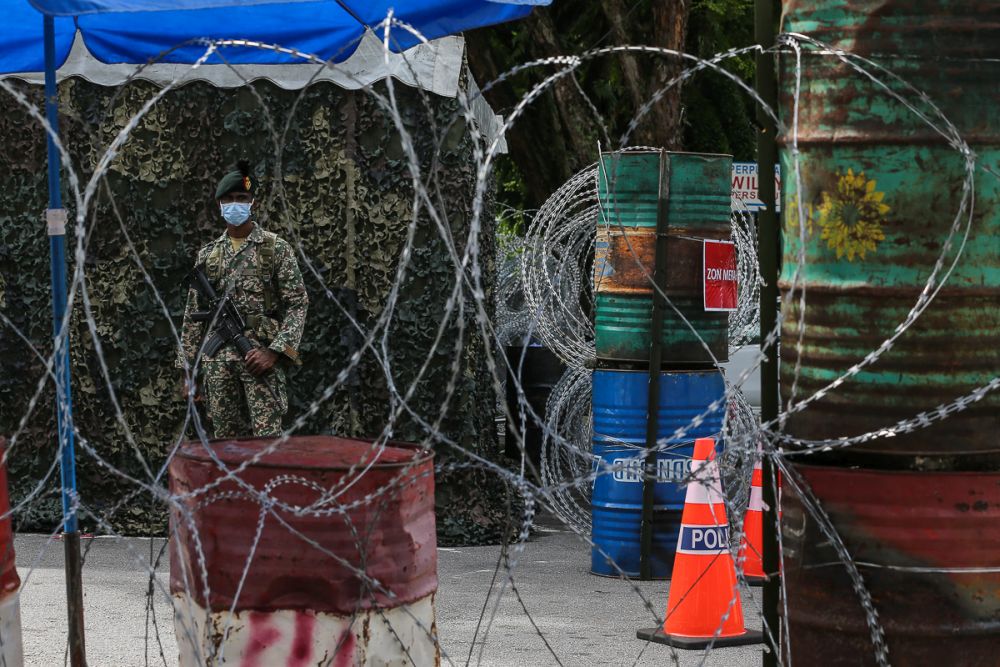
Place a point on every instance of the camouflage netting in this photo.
(346, 199)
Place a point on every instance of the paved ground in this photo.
(586, 620)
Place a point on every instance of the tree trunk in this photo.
(670, 25)
(551, 140)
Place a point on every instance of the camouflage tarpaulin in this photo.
(345, 201)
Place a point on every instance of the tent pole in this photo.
(56, 225)
(767, 149)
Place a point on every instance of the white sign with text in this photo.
(745, 196)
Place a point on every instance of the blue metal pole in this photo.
(56, 224)
(57, 251)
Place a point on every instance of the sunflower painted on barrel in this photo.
(850, 217)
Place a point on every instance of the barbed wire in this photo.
(544, 289)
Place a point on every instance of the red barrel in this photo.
(9, 581)
(926, 546)
(11, 647)
(351, 528)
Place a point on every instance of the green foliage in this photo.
(344, 195)
(557, 137)
(715, 26)
(719, 114)
(717, 119)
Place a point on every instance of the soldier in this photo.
(261, 275)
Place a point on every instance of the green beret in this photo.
(238, 180)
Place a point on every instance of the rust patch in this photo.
(628, 264)
(385, 527)
(934, 601)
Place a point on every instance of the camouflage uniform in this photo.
(238, 402)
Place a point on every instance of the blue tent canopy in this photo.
(137, 31)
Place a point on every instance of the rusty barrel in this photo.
(925, 544)
(697, 195)
(880, 191)
(322, 550)
(11, 648)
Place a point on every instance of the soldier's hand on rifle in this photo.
(260, 359)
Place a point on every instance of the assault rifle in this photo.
(229, 324)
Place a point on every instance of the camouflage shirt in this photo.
(241, 274)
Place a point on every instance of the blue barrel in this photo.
(619, 401)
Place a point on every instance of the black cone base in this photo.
(756, 581)
(693, 643)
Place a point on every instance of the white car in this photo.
(739, 361)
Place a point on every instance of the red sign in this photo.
(719, 275)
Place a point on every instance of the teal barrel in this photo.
(620, 408)
(698, 207)
(880, 191)
(700, 190)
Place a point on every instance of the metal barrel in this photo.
(700, 186)
(537, 369)
(322, 550)
(698, 207)
(925, 545)
(619, 407)
(879, 194)
(12, 647)
(880, 191)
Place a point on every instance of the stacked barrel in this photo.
(688, 194)
(918, 507)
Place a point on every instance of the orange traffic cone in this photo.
(751, 546)
(700, 608)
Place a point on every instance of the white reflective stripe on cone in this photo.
(370, 638)
(756, 499)
(704, 487)
(11, 648)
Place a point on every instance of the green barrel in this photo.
(878, 194)
(880, 191)
(698, 207)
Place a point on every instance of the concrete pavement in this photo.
(586, 620)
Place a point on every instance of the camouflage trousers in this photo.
(241, 405)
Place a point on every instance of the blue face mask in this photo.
(236, 213)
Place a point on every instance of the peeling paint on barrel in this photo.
(354, 542)
(296, 638)
(925, 544)
(880, 191)
(628, 263)
(698, 207)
